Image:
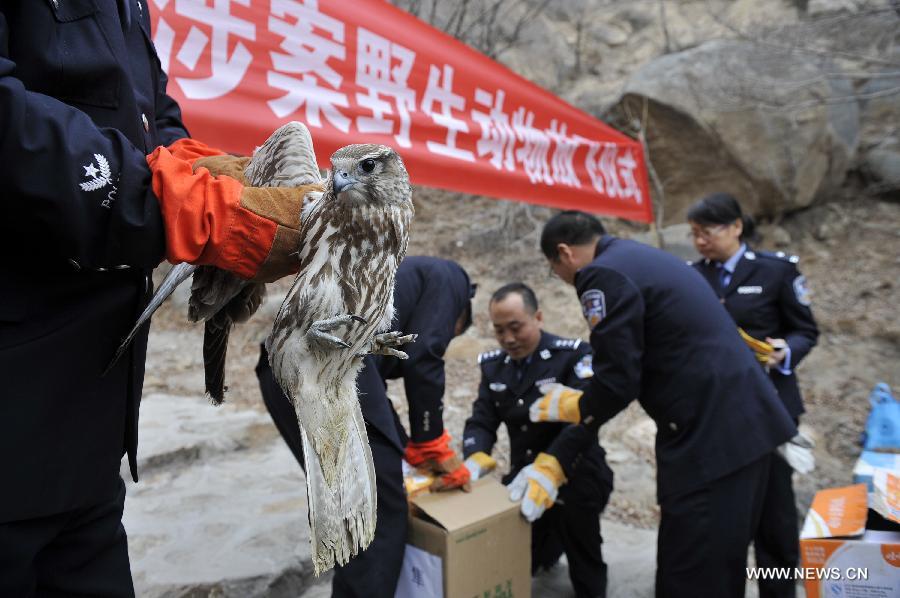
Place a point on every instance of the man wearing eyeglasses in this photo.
(432, 299)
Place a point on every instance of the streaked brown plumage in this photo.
(337, 310)
(218, 298)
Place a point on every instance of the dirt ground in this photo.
(849, 253)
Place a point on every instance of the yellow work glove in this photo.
(537, 486)
(480, 464)
(761, 349)
(559, 404)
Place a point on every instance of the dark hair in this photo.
(721, 208)
(528, 296)
(571, 227)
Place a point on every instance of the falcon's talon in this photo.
(329, 324)
(395, 353)
(328, 340)
(386, 343)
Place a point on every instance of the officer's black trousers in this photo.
(374, 572)
(83, 552)
(575, 530)
(776, 541)
(704, 535)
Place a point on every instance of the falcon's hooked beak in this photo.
(342, 180)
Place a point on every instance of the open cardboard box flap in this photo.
(837, 513)
(455, 510)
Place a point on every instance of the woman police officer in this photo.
(767, 298)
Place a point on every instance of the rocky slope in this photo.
(813, 147)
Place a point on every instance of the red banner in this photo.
(358, 71)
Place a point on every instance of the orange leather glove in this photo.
(437, 457)
(191, 149)
(218, 221)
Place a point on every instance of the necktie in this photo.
(724, 275)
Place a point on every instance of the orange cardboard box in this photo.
(842, 558)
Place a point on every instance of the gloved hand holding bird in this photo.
(346, 237)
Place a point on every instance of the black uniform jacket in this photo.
(430, 294)
(504, 398)
(661, 336)
(82, 101)
(767, 297)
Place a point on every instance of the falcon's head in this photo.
(369, 172)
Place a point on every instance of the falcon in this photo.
(339, 309)
(219, 298)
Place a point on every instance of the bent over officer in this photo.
(432, 298)
(511, 379)
(99, 184)
(660, 335)
(767, 297)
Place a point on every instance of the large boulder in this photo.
(762, 123)
(879, 152)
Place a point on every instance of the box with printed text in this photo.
(466, 545)
(840, 557)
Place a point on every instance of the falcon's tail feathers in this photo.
(342, 518)
(177, 275)
(215, 348)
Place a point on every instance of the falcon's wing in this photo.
(178, 274)
(286, 159)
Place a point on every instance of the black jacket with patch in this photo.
(660, 335)
(82, 101)
(504, 398)
(767, 297)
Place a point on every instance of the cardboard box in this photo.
(466, 545)
(839, 556)
(869, 461)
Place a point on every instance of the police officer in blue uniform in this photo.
(659, 335)
(511, 380)
(767, 297)
(84, 218)
(432, 298)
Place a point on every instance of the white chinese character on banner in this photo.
(227, 72)
(440, 91)
(563, 157)
(497, 136)
(536, 145)
(611, 174)
(306, 53)
(630, 187)
(375, 73)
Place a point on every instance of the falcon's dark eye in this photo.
(367, 165)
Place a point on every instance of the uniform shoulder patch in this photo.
(780, 256)
(567, 344)
(593, 306)
(490, 355)
(801, 291)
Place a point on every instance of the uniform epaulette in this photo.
(569, 344)
(490, 355)
(779, 255)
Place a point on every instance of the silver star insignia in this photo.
(90, 171)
